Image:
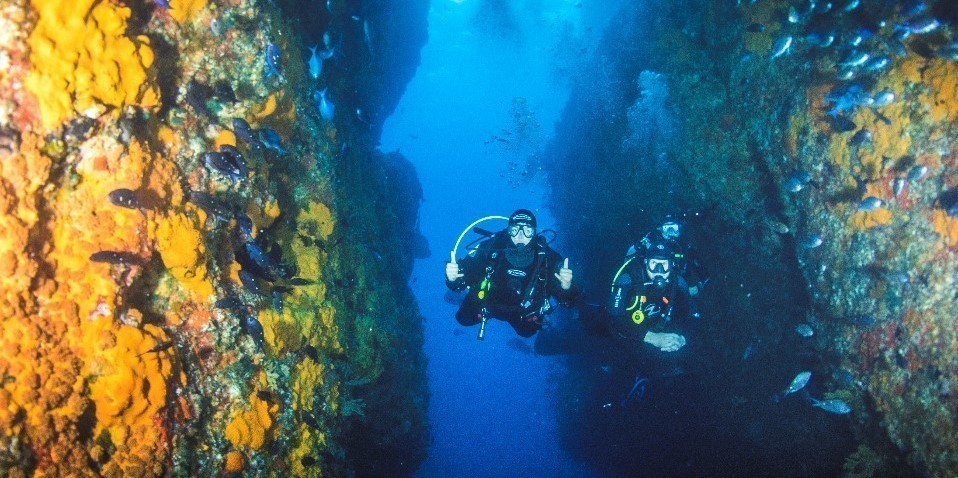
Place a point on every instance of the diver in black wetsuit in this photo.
(511, 277)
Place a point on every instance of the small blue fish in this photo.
(125, 198)
(326, 108)
(883, 98)
(271, 140)
(811, 241)
(315, 63)
(877, 63)
(254, 329)
(834, 405)
(249, 282)
(798, 383)
(870, 204)
(243, 131)
(855, 58)
(781, 46)
(272, 61)
(804, 330)
(861, 137)
(921, 25)
(917, 172)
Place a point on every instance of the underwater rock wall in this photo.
(203, 268)
(842, 186)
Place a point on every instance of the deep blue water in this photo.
(491, 402)
(496, 407)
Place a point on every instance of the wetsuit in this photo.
(519, 282)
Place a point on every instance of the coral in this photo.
(250, 425)
(307, 443)
(863, 463)
(82, 60)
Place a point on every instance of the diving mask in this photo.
(657, 268)
(525, 229)
(670, 230)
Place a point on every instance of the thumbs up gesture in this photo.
(565, 275)
(452, 269)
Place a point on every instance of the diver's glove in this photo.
(665, 342)
(695, 289)
(453, 273)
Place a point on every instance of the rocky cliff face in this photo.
(825, 200)
(200, 277)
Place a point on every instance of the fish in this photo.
(917, 172)
(921, 25)
(861, 137)
(115, 257)
(197, 94)
(229, 303)
(846, 98)
(224, 91)
(793, 15)
(898, 185)
(245, 225)
(842, 124)
(273, 57)
(948, 52)
(778, 227)
(870, 204)
(855, 58)
(781, 46)
(125, 198)
(798, 383)
(747, 352)
(896, 47)
(834, 405)
(804, 330)
(847, 74)
(913, 8)
(853, 4)
(221, 163)
(827, 40)
(254, 329)
(159, 347)
(877, 63)
(326, 108)
(368, 36)
(315, 64)
(793, 185)
(897, 277)
(249, 282)
(210, 205)
(271, 140)
(882, 98)
(243, 131)
(235, 158)
(811, 241)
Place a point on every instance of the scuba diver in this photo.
(511, 276)
(684, 256)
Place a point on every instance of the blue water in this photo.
(491, 402)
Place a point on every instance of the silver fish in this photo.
(315, 64)
(778, 227)
(781, 46)
(834, 405)
(883, 98)
(804, 330)
(793, 185)
(917, 172)
(898, 185)
(922, 25)
(877, 63)
(856, 59)
(798, 383)
(851, 5)
(792, 15)
(870, 204)
(811, 241)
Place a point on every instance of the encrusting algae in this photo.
(162, 318)
(82, 60)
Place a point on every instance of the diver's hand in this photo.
(452, 269)
(565, 275)
(664, 341)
